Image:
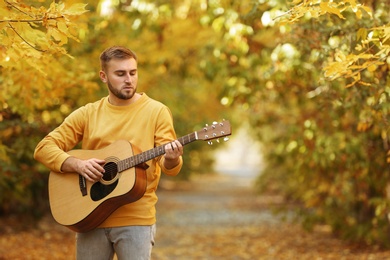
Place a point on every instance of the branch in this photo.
(17, 8)
(286, 13)
(40, 20)
(27, 20)
(21, 37)
(22, 21)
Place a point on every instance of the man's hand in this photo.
(91, 169)
(173, 151)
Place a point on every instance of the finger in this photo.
(87, 177)
(91, 173)
(179, 146)
(176, 145)
(168, 147)
(98, 164)
(97, 168)
(95, 177)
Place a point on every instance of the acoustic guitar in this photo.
(82, 206)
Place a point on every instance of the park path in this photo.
(221, 217)
(210, 217)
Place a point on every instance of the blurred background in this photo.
(305, 85)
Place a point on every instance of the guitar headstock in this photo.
(214, 131)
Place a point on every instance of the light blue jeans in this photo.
(131, 242)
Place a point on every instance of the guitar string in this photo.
(142, 155)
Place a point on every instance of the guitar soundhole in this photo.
(111, 170)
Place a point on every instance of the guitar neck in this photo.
(152, 153)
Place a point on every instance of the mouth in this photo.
(127, 88)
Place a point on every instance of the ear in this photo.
(103, 76)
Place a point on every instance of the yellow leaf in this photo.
(353, 4)
(385, 49)
(367, 9)
(364, 83)
(351, 85)
(58, 36)
(339, 56)
(295, 2)
(53, 6)
(364, 56)
(76, 9)
(359, 14)
(386, 31)
(362, 34)
(327, 7)
(372, 68)
(62, 27)
(2, 26)
(356, 77)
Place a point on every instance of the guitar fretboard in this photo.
(152, 153)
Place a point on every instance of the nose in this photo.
(128, 78)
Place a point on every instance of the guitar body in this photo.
(84, 212)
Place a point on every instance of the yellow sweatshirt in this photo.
(146, 123)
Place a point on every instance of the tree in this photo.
(37, 90)
(325, 131)
(58, 76)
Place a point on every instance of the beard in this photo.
(121, 95)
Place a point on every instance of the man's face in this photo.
(121, 77)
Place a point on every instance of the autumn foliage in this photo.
(311, 78)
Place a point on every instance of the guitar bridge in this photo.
(83, 185)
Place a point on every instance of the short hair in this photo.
(115, 52)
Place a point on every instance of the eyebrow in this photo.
(133, 70)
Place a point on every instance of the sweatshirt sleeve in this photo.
(51, 151)
(164, 134)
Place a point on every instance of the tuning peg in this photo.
(218, 140)
(210, 143)
(226, 139)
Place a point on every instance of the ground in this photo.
(209, 217)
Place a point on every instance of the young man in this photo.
(124, 114)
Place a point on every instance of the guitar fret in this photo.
(150, 154)
(120, 166)
(157, 151)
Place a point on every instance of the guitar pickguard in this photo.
(100, 191)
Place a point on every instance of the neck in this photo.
(122, 102)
